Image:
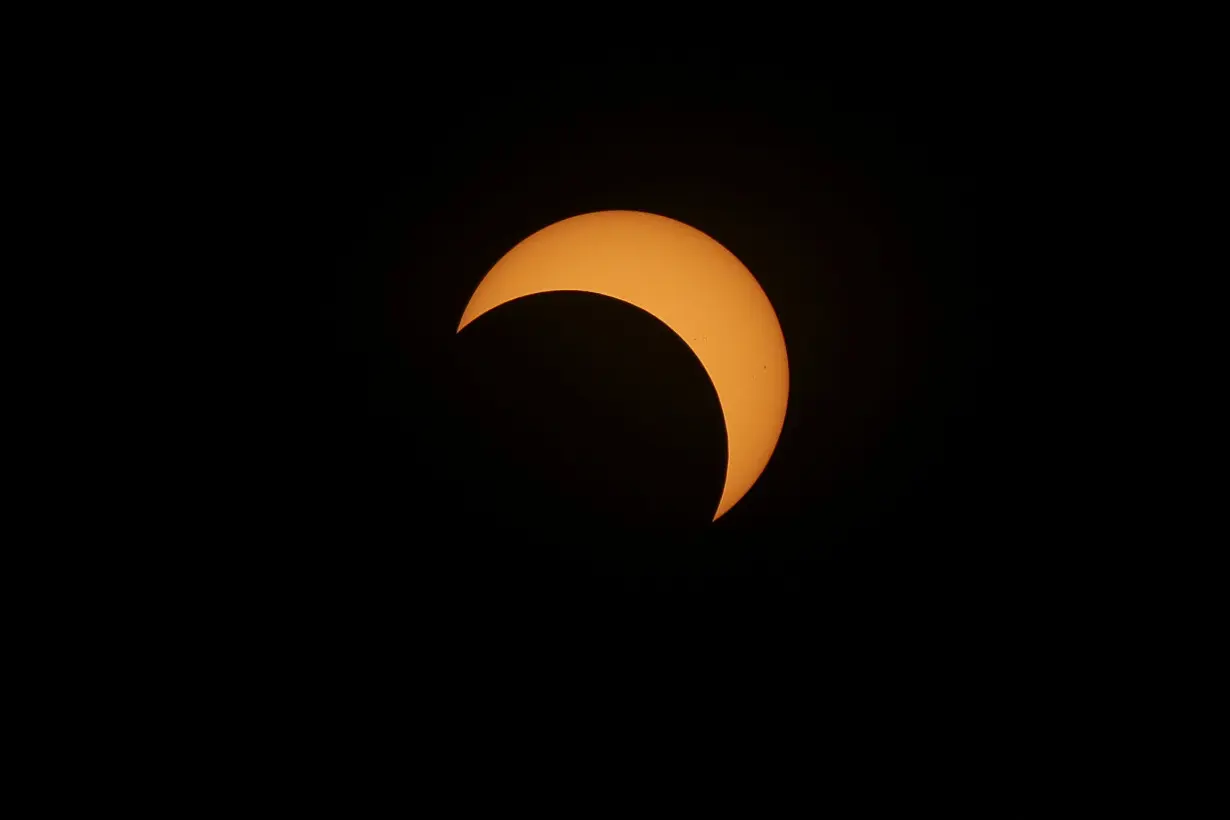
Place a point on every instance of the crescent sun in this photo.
(689, 282)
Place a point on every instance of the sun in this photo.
(691, 283)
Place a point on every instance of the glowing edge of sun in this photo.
(690, 283)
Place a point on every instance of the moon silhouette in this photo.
(689, 282)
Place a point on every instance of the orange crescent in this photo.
(692, 284)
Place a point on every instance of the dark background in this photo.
(558, 462)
